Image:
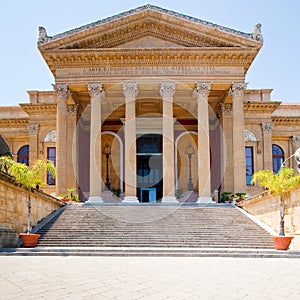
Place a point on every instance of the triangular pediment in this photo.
(149, 27)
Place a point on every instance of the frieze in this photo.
(148, 70)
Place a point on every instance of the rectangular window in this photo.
(51, 155)
(249, 164)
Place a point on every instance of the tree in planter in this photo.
(28, 177)
(280, 184)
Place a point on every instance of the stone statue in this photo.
(297, 158)
(256, 34)
(43, 38)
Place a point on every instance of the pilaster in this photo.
(130, 90)
(62, 94)
(167, 91)
(204, 181)
(267, 145)
(33, 142)
(96, 92)
(239, 165)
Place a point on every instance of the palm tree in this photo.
(280, 184)
(28, 177)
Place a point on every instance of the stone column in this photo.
(238, 143)
(96, 92)
(63, 93)
(167, 90)
(33, 142)
(267, 145)
(204, 181)
(225, 112)
(72, 153)
(130, 90)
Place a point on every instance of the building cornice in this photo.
(261, 107)
(289, 121)
(22, 122)
(34, 109)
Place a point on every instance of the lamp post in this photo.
(107, 152)
(189, 151)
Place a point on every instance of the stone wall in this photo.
(13, 205)
(266, 209)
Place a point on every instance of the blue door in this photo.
(147, 195)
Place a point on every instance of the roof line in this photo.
(255, 35)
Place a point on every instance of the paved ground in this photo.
(148, 278)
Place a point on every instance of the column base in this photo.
(130, 199)
(94, 200)
(169, 199)
(204, 200)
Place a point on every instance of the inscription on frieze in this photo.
(148, 70)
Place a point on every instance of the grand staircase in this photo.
(185, 226)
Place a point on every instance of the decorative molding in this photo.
(203, 89)
(95, 90)
(238, 90)
(225, 109)
(33, 129)
(72, 110)
(130, 89)
(167, 89)
(62, 91)
(249, 136)
(50, 137)
(267, 127)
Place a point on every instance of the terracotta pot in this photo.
(29, 240)
(282, 242)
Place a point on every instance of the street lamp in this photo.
(107, 152)
(189, 151)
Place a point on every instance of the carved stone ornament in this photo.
(72, 109)
(237, 90)
(50, 137)
(266, 127)
(295, 140)
(95, 90)
(256, 34)
(130, 89)
(33, 129)
(43, 37)
(203, 89)
(249, 136)
(167, 89)
(225, 109)
(62, 91)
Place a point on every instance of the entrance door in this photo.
(149, 168)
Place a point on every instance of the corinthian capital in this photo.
(130, 89)
(203, 89)
(95, 90)
(33, 129)
(238, 90)
(266, 127)
(167, 89)
(62, 91)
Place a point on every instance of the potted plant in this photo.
(29, 178)
(280, 184)
(240, 197)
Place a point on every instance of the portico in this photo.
(148, 83)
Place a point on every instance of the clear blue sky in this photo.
(22, 67)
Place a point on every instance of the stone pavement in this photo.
(131, 278)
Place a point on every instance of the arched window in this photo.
(23, 155)
(278, 158)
